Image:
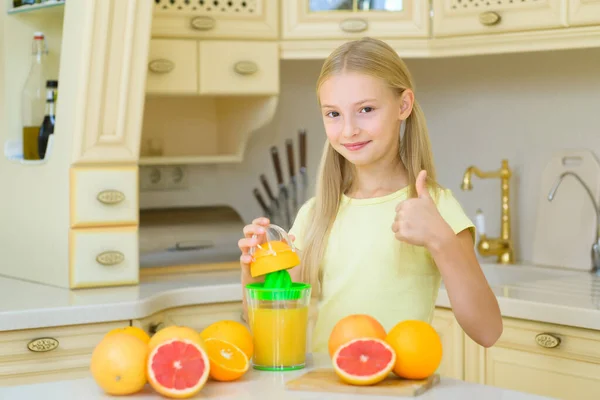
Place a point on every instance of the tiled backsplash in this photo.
(521, 107)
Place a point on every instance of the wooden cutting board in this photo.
(565, 227)
(326, 380)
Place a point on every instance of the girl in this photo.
(380, 233)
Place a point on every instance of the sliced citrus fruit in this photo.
(175, 332)
(231, 331)
(131, 330)
(364, 361)
(227, 361)
(118, 364)
(178, 368)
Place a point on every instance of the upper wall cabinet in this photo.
(257, 19)
(348, 19)
(584, 12)
(466, 17)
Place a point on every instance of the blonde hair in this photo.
(378, 59)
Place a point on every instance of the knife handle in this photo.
(302, 137)
(260, 200)
(265, 183)
(277, 164)
(290, 156)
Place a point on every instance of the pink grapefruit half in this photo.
(365, 361)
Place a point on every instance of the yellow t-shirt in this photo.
(366, 270)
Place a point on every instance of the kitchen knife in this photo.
(283, 194)
(261, 202)
(303, 175)
(293, 185)
(275, 209)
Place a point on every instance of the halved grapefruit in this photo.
(178, 368)
(364, 361)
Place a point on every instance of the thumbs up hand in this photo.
(418, 221)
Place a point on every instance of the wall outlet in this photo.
(163, 177)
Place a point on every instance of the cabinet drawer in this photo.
(584, 12)
(47, 354)
(172, 67)
(104, 196)
(462, 17)
(238, 68)
(103, 257)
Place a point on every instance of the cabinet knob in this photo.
(547, 340)
(110, 258)
(245, 67)
(161, 66)
(110, 197)
(203, 23)
(42, 345)
(489, 18)
(354, 25)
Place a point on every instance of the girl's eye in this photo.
(332, 114)
(366, 109)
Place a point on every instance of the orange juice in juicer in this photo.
(277, 307)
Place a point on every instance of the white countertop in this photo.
(549, 295)
(258, 385)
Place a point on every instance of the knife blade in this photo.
(303, 174)
(283, 194)
(275, 209)
(294, 188)
(262, 203)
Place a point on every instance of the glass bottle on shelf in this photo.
(47, 127)
(33, 99)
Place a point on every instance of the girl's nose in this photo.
(350, 129)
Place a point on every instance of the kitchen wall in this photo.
(521, 107)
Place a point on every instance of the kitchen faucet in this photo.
(503, 245)
(596, 243)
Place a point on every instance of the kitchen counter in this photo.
(258, 385)
(556, 296)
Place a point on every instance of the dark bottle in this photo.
(47, 127)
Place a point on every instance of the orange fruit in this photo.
(118, 364)
(175, 332)
(271, 256)
(233, 332)
(354, 327)
(178, 368)
(364, 361)
(132, 330)
(227, 361)
(418, 349)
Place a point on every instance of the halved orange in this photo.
(227, 361)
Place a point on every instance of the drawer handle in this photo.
(354, 25)
(547, 340)
(110, 197)
(161, 66)
(245, 67)
(110, 258)
(489, 18)
(42, 345)
(203, 23)
(153, 328)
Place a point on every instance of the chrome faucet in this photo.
(596, 243)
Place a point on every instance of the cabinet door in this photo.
(353, 19)
(452, 343)
(112, 82)
(172, 67)
(226, 19)
(584, 12)
(468, 17)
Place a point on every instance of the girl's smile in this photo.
(356, 145)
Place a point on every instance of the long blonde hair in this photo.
(378, 59)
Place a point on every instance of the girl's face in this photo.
(362, 117)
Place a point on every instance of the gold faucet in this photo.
(503, 245)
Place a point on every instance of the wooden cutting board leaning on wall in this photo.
(566, 226)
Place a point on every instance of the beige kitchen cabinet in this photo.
(452, 337)
(584, 12)
(351, 19)
(49, 354)
(485, 17)
(216, 19)
(544, 359)
(172, 67)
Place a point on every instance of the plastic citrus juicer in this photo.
(277, 307)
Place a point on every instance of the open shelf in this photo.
(50, 6)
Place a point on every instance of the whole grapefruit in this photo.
(356, 326)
